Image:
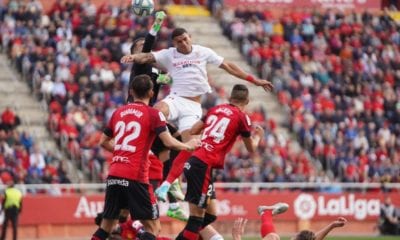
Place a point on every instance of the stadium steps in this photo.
(17, 95)
(206, 31)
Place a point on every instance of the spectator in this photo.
(334, 73)
(9, 120)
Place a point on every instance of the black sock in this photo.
(192, 228)
(208, 219)
(147, 236)
(100, 234)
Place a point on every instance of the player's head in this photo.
(141, 87)
(182, 40)
(137, 45)
(305, 235)
(239, 95)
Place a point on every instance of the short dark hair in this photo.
(141, 85)
(136, 42)
(239, 93)
(305, 235)
(177, 32)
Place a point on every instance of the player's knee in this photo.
(152, 226)
(162, 107)
(208, 219)
(194, 224)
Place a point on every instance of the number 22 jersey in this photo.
(222, 125)
(134, 128)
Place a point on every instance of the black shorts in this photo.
(200, 187)
(158, 146)
(128, 194)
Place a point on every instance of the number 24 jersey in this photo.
(222, 125)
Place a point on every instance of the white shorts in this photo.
(184, 113)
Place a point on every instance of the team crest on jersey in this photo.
(187, 166)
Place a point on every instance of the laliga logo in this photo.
(306, 207)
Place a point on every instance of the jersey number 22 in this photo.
(125, 134)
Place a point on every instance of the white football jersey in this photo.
(188, 71)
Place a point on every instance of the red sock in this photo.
(190, 235)
(267, 226)
(177, 167)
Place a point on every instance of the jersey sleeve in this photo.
(162, 58)
(213, 58)
(148, 43)
(159, 121)
(245, 130)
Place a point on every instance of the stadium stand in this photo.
(70, 58)
(318, 65)
(338, 75)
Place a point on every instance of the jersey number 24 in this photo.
(216, 128)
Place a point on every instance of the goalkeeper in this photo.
(145, 45)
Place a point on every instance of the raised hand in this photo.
(340, 222)
(238, 228)
(259, 131)
(267, 85)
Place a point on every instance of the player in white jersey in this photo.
(186, 63)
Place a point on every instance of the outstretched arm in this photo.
(321, 234)
(252, 142)
(140, 58)
(238, 72)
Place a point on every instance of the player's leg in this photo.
(124, 214)
(194, 224)
(143, 206)
(199, 191)
(163, 107)
(210, 215)
(171, 111)
(208, 232)
(112, 206)
(267, 226)
(152, 229)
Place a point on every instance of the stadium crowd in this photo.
(338, 79)
(70, 58)
(338, 76)
(22, 159)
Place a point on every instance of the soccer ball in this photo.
(142, 7)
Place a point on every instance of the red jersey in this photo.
(133, 127)
(223, 123)
(156, 167)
